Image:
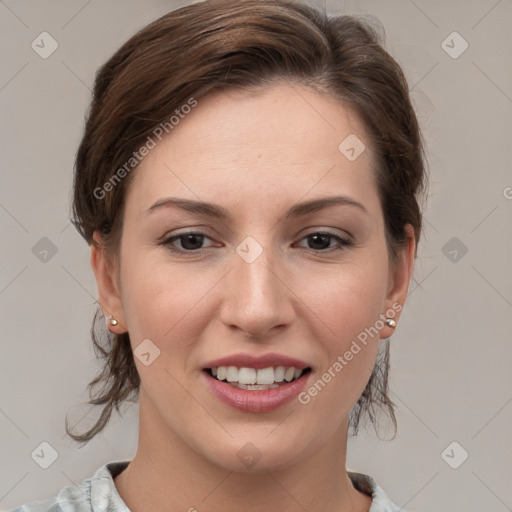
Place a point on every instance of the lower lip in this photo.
(263, 400)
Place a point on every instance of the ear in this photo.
(109, 296)
(399, 278)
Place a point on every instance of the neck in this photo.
(166, 474)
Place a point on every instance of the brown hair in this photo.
(219, 45)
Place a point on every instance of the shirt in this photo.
(99, 494)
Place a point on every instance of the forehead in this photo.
(258, 145)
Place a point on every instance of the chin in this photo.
(254, 454)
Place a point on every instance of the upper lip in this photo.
(257, 362)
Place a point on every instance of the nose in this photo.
(257, 300)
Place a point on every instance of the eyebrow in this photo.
(212, 210)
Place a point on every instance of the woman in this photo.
(248, 182)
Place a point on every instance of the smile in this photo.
(253, 379)
(256, 390)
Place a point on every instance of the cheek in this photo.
(350, 322)
(161, 301)
(348, 315)
(346, 301)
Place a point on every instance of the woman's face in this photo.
(264, 283)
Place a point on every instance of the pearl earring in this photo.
(111, 320)
(390, 322)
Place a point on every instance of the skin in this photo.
(256, 154)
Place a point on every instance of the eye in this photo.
(190, 242)
(320, 241)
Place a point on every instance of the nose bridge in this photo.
(255, 277)
(255, 299)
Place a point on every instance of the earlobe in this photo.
(400, 277)
(108, 290)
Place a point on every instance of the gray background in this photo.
(451, 353)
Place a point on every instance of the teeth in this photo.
(232, 374)
(250, 378)
(221, 372)
(247, 376)
(279, 373)
(265, 376)
(255, 387)
(289, 373)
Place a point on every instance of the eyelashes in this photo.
(190, 240)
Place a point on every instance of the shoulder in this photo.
(380, 500)
(98, 490)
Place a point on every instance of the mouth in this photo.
(256, 384)
(257, 379)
